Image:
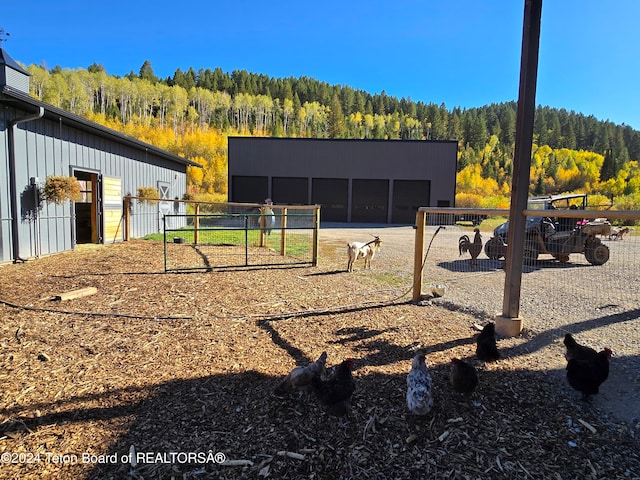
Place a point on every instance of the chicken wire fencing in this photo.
(223, 240)
(585, 270)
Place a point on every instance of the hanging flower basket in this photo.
(148, 195)
(59, 188)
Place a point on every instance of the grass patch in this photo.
(298, 245)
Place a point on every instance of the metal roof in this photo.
(16, 98)
(5, 59)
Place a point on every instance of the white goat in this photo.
(358, 250)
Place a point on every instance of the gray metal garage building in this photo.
(38, 140)
(368, 181)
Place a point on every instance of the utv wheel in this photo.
(597, 255)
(530, 256)
(494, 248)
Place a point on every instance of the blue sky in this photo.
(464, 53)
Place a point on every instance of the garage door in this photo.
(290, 190)
(249, 189)
(408, 195)
(369, 201)
(332, 195)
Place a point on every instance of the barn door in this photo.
(112, 209)
(164, 205)
(88, 208)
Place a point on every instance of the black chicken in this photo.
(463, 376)
(586, 368)
(486, 347)
(474, 248)
(334, 392)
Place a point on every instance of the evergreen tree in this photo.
(297, 105)
(540, 132)
(454, 130)
(379, 104)
(206, 80)
(336, 119)
(146, 72)
(539, 188)
(360, 102)
(608, 169)
(569, 140)
(178, 79)
(555, 130)
(190, 79)
(95, 68)
(368, 108)
(476, 131)
(508, 126)
(287, 90)
(347, 98)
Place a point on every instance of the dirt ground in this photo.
(176, 372)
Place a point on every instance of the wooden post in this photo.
(283, 237)
(418, 254)
(508, 323)
(263, 223)
(127, 218)
(316, 237)
(196, 224)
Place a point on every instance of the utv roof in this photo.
(554, 198)
(556, 201)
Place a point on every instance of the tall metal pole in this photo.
(522, 160)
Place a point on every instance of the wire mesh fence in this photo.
(588, 270)
(222, 240)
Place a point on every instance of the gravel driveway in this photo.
(599, 305)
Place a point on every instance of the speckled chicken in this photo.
(586, 368)
(419, 387)
(299, 379)
(463, 376)
(474, 248)
(334, 391)
(486, 346)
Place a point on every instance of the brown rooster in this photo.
(299, 379)
(474, 248)
(334, 392)
(586, 368)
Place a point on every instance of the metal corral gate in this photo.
(240, 240)
(552, 285)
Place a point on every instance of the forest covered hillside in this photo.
(192, 113)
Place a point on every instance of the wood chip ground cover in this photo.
(175, 366)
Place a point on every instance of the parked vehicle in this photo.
(558, 237)
(475, 218)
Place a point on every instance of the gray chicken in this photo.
(300, 378)
(419, 387)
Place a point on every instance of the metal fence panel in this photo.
(552, 286)
(240, 240)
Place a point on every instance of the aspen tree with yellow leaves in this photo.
(191, 114)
